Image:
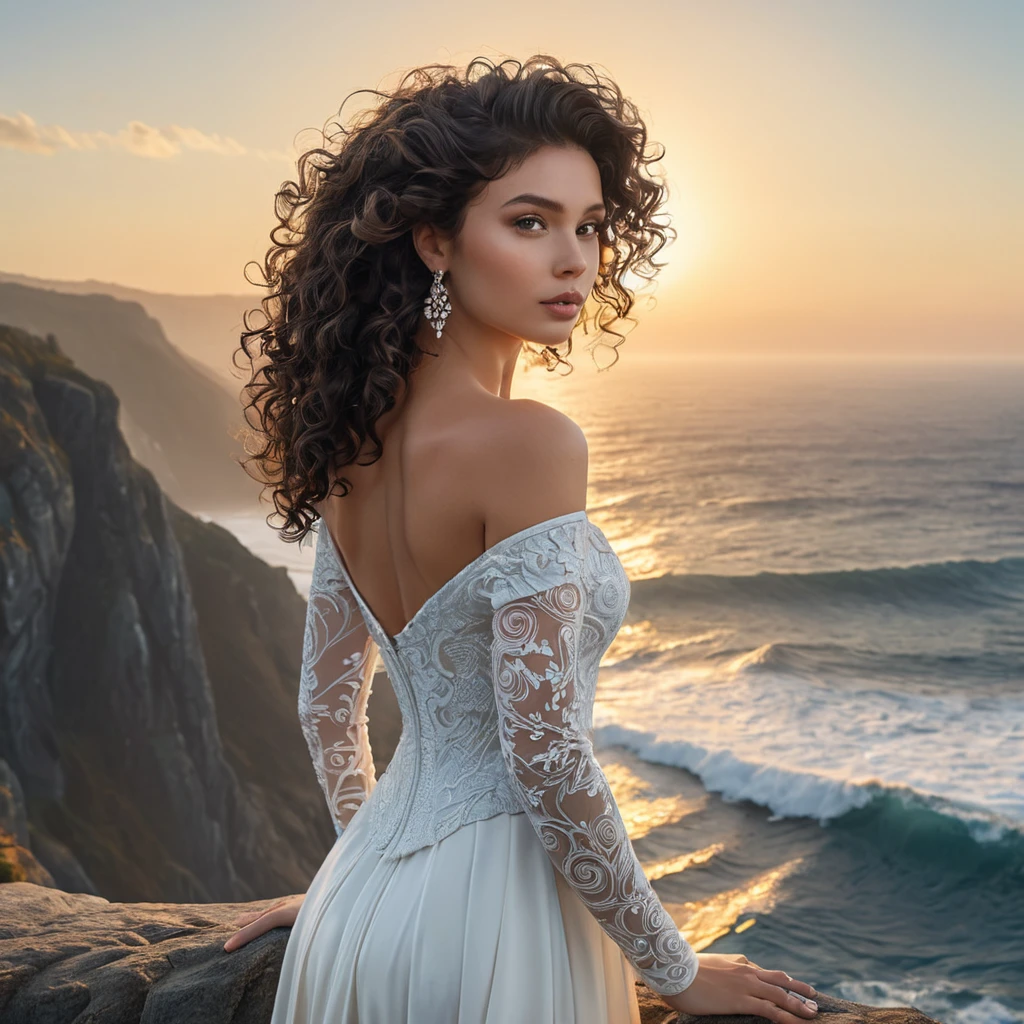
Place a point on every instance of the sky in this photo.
(844, 177)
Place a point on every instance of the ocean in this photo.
(813, 716)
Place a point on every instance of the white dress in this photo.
(486, 877)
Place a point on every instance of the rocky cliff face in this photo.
(178, 421)
(205, 328)
(131, 770)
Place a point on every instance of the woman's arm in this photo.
(338, 661)
(562, 788)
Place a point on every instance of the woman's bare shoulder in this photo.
(532, 459)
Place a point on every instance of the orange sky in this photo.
(844, 178)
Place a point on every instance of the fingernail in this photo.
(812, 1004)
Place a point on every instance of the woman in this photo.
(487, 875)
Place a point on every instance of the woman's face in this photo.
(527, 238)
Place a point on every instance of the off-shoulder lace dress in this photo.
(487, 875)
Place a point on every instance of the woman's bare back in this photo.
(444, 489)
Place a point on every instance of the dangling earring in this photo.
(437, 307)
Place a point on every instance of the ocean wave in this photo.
(945, 1001)
(957, 583)
(895, 817)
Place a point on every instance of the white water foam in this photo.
(804, 749)
(948, 1002)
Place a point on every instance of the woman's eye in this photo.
(523, 220)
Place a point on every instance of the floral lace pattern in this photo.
(543, 705)
(338, 661)
(495, 678)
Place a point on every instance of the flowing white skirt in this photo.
(477, 929)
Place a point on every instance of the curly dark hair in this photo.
(346, 285)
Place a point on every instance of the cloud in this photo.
(138, 138)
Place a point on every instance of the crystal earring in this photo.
(437, 307)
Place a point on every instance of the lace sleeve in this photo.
(338, 661)
(562, 788)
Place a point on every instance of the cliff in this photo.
(205, 328)
(179, 422)
(140, 773)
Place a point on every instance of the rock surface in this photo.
(73, 957)
(149, 670)
(184, 426)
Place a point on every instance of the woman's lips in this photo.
(563, 310)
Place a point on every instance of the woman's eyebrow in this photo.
(550, 204)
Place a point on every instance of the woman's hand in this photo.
(281, 913)
(730, 983)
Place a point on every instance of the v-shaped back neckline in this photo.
(368, 612)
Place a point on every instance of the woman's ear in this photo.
(431, 246)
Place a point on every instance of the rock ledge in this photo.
(72, 957)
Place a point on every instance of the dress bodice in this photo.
(495, 677)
